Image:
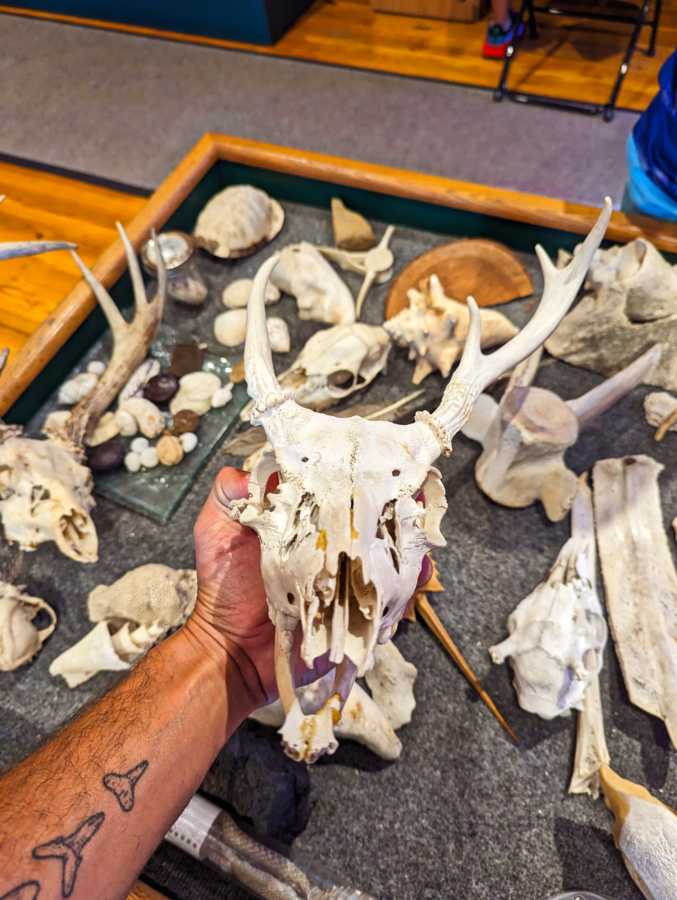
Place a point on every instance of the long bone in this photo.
(524, 437)
(344, 533)
(45, 487)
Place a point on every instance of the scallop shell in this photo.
(238, 221)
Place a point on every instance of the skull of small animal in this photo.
(345, 531)
(20, 640)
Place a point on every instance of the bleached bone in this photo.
(152, 595)
(376, 264)
(104, 649)
(660, 409)
(525, 436)
(333, 364)
(632, 306)
(645, 831)
(148, 369)
(591, 749)
(391, 683)
(320, 292)
(20, 640)
(45, 488)
(558, 632)
(640, 582)
(343, 535)
(236, 294)
(434, 328)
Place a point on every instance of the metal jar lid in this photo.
(176, 247)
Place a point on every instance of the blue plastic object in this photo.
(644, 194)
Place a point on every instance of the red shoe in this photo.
(498, 39)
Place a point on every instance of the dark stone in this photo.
(106, 457)
(161, 388)
(253, 775)
(185, 420)
(185, 358)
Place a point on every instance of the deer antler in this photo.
(476, 370)
(131, 340)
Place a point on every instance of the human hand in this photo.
(231, 612)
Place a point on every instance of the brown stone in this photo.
(185, 420)
(237, 372)
(185, 358)
(169, 450)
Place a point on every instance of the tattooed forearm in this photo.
(69, 850)
(29, 890)
(123, 785)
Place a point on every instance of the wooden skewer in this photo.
(431, 619)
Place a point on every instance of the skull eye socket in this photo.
(340, 378)
(395, 473)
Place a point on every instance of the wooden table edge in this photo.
(531, 209)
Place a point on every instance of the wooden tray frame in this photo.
(531, 209)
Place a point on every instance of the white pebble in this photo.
(140, 444)
(132, 462)
(96, 367)
(188, 441)
(149, 458)
(222, 396)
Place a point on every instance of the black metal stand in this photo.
(607, 110)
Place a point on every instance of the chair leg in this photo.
(610, 108)
(527, 5)
(654, 27)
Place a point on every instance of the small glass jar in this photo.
(184, 281)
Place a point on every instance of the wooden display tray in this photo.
(396, 196)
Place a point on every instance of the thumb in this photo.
(231, 484)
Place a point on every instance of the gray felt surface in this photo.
(465, 813)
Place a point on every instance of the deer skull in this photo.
(45, 486)
(344, 532)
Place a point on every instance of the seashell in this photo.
(195, 392)
(238, 221)
(148, 369)
(149, 458)
(222, 396)
(20, 640)
(320, 292)
(126, 422)
(94, 653)
(132, 461)
(236, 295)
(150, 420)
(56, 420)
(96, 367)
(139, 444)
(278, 334)
(230, 327)
(76, 389)
(106, 429)
(188, 441)
(169, 450)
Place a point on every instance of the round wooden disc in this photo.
(485, 270)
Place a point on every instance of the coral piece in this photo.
(320, 292)
(351, 230)
(343, 535)
(640, 582)
(20, 640)
(525, 436)
(631, 307)
(558, 632)
(236, 294)
(148, 419)
(645, 831)
(435, 327)
(238, 221)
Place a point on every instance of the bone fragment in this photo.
(645, 831)
(320, 293)
(659, 409)
(591, 749)
(351, 230)
(640, 582)
(20, 640)
(391, 683)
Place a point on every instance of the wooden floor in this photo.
(569, 59)
(38, 205)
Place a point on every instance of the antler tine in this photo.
(130, 340)
(262, 385)
(476, 370)
(15, 249)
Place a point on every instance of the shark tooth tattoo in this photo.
(123, 785)
(29, 890)
(69, 850)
